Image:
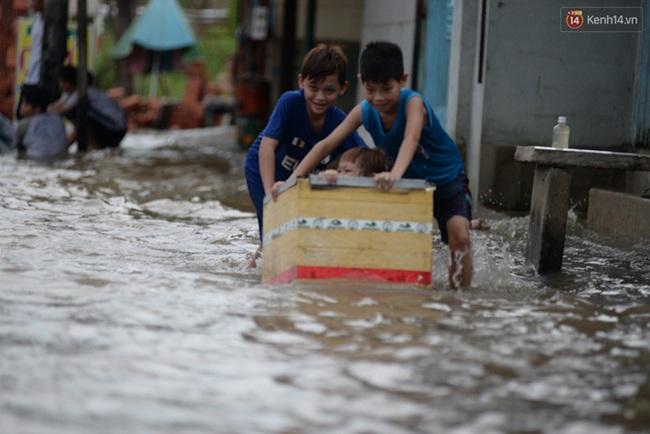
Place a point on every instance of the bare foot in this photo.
(256, 256)
(479, 225)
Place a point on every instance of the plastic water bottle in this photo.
(561, 133)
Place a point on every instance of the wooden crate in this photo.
(351, 230)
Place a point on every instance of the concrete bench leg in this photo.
(548, 215)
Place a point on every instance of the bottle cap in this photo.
(561, 119)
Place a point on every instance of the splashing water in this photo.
(126, 306)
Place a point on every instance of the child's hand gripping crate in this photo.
(350, 230)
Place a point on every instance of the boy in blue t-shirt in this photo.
(403, 124)
(300, 119)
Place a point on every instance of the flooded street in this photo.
(126, 307)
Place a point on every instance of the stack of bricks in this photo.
(140, 112)
(190, 112)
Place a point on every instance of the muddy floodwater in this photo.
(126, 306)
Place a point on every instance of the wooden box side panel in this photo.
(281, 254)
(283, 210)
(293, 237)
(368, 203)
(365, 249)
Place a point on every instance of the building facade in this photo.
(499, 73)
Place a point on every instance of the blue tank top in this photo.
(437, 158)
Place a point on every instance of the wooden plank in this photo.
(550, 196)
(366, 249)
(285, 209)
(343, 248)
(582, 158)
(371, 194)
(280, 255)
(367, 182)
(310, 272)
(548, 216)
(353, 209)
(419, 277)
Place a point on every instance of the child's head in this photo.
(362, 161)
(34, 100)
(323, 61)
(68, 78)
(380, 62)
(37, 5)
(381, 68)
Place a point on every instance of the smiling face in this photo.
(384, 96)
(320, 95)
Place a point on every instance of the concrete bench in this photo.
(550, 196)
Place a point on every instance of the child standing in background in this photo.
(403, 124)
(300, 119)
(35, 51)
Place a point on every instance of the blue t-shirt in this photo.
(437, 158)
(289, 125)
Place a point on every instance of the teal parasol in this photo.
(161, 31)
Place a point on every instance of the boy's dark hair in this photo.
(69, 74)
(369, 160)
(324, 60)
(380, 62)
(36, 96)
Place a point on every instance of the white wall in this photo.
(534, 73)
(336, 19)
(394, 21)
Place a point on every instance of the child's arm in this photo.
(266, 157)
(331, 175)
(64, 105)
(415, 115)
(325, 147)
(329, 144)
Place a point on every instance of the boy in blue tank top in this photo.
(299, 120)
(403, 124)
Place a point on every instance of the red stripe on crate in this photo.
(307, 272)
(284, 277)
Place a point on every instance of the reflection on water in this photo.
(126, 307)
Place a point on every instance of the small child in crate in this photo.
(369, 162)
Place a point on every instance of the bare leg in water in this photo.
(461, 270)
(256, 256)
(479, 225)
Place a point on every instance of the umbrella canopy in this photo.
(156, 39)
(162, 27)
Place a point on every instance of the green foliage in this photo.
(104, 68)
(215, 44)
